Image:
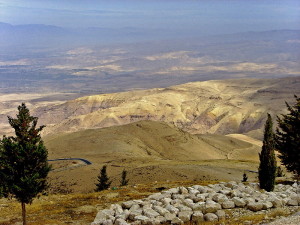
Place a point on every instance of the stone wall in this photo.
(198, 203)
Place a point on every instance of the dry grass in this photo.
(62, 209)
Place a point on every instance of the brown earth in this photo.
(150, 151)
(216, 106)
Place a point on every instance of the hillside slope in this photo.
(220, 107)
(143, 139)
(150, 151)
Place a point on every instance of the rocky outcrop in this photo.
(198, 203)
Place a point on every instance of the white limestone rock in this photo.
(151, 213)
(220, 214)
(211, 206)
(200, 206)
(135, 213)
(143, 219)
(197, 217)
(166, 201)
(183, 190)
(277, 203)
(170, 216)
(292, 202)
(134, 207)
(172, 209)
(185, 216)
(210, 217)
(161, 219)
(162, 211)
(193, 191)
(120, 222)
(239, 202)
(267, 205)
(219, 198)
(157, 196)
(117, 208)
(174, 190)
(255, 206)
(128, 204)
(103, 215)
(108, 222)
(176, 221)
(183, 208)
(228, 204)
(188, 202)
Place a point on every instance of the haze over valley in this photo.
(87, 67)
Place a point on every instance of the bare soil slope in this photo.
(219, 107)
(150, 151)
(143, 139)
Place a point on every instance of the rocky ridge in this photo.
(218, 107)
(198, 203)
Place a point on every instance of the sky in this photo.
(211, 16)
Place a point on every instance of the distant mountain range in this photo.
(41, 34)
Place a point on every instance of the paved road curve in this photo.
(83, 160)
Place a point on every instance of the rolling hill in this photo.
(143, 139)
(149, 151)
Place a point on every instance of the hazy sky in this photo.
(211, 16)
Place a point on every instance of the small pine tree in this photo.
(23, 160)
(245, 177)
(288, 138)
(267, 167)
(124, 181)
(103, 180)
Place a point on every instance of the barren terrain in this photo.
(218, 107)
(173, 133)
(150, 151)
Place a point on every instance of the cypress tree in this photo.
(267, 167)
(124, 181)
(23, 160)
(288, 138)
(103, 180)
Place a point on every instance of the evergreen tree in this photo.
(288, 138)
(124, 181)
(245, 177)
(267, 167)
(23, 160)
(103, 180)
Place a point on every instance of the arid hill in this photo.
(149, 151)
(144, 139)
(216, 106)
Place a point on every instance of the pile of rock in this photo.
(198, 203)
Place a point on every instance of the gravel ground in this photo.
(290, 220)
